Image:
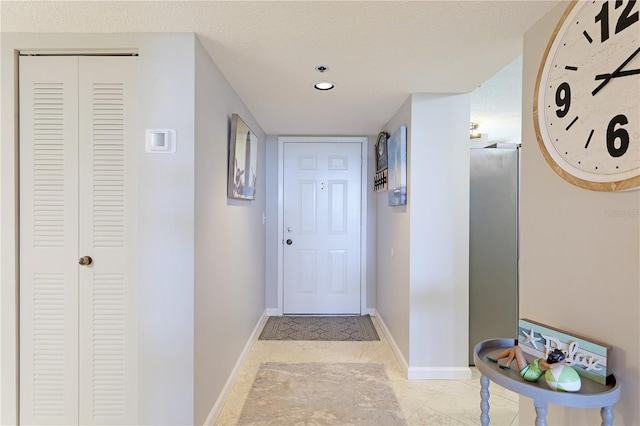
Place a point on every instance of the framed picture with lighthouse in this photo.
(243, 160)
(397, 165)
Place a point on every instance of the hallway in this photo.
(424, 402)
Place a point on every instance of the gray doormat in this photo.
(343, 328)
(321, 394)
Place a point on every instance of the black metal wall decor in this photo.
(381, 176)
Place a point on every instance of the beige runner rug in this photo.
(321, 394)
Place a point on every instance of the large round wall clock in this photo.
(587, 96)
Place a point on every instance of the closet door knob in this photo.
(85, 260)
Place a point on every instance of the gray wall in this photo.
(372, 213)
(423, 247)
(272, 239)
(392, 231)
(165, 231)
(439, 247)
(229, 239)
(8, 242)
(1, 361)
(200, 256)
(587, 258)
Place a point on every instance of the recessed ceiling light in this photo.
(324, 85)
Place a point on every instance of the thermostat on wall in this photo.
(162, 141)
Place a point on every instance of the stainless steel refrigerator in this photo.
(493, 243)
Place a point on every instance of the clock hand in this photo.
(620, 74)
(615, 73)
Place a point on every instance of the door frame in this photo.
(363, 141)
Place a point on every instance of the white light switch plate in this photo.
(160, 141)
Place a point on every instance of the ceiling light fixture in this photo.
(474, 133)
(324, 85)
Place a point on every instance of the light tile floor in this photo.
(424, 402)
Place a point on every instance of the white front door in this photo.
(321, 228)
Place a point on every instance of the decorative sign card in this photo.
(589, 358)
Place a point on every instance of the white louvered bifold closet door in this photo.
(78, 329)
(108, 356)
(48, 240)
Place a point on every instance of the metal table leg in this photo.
(541, 413)
(607, 416)
(484, 400)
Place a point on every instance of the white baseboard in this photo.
(217, 407)
(371, 312)
(392, 343)
(272, 312)
(439, 373)
(421, 373)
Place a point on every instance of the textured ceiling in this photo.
(497, 105)
(377, 52)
